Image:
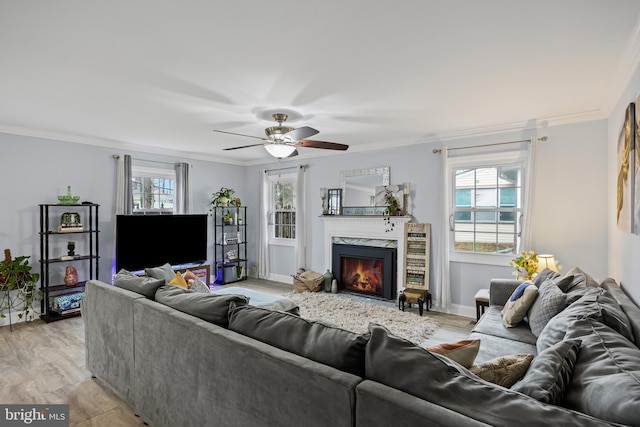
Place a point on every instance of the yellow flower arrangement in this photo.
(525, 266)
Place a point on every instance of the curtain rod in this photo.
(117, 156)
(288, 167)
(438, 150)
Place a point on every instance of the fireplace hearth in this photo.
(365, 270)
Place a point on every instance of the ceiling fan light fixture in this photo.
(280, 151)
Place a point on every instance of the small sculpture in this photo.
(68, 199)
(70, 276)
(71, 248)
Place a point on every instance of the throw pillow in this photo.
(516, 307)
(188, 275)
(464, 352)
(544, 275)
(163, 272)
(146, 286)
(178, 280)
(199, 286)
(314, 340)
(505, 370)
(400, 364)
(208, 307)
(551, 301)
(550, 373)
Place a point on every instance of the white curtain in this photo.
(526, 240)
(263, 250)
(183, 200)
(301, 218)
(124, 193)
(443, 282)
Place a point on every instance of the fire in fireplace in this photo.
(368, 270)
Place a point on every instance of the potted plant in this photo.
(222, 197)
(18, 284)
(525, 266)
(228, 218)
(392, 208)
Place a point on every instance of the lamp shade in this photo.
(280, 150)
(547, 261)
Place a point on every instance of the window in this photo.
(283, 205)
(487, 198)
(153, 190)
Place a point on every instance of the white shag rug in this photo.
(355, 314)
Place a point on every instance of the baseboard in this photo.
(14, 318)
(463, 310)
(282, 278)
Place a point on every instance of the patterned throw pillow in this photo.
(464, 352)
(550, 373)
(516, 307)
(551, 301)
(505, 370)
(199, 286)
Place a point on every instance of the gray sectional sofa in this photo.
(270, 368)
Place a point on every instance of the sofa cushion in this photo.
(504, 370)
(146, 286)
(209, 307)
(626, 304)
(551, 301)
(597, 304)
(162, 272)
(516, 307)
(314, 340)
(606, 376)
(493, 346)
(464, 352)
(550, 373)
(400, 364)
(491, 324)
(199, 286)
(581, 279)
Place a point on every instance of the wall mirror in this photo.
(359, 185)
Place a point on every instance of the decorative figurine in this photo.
(71, 248)
(70, 276)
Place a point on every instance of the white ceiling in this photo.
(158, 76)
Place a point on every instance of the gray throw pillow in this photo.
(209, 307)
(163, 272)
(146, 286)
(400, 364)
(551, 301)
(314, 340)
(550, 373)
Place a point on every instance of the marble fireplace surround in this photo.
(360, 229)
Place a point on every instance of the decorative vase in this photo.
(224, 201)
(70, 276)
(334, 286)
(327, 280)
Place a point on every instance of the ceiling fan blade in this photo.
(240, 134)
(244, 146)
(301, 133)
(310, 143)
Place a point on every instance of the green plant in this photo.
(525, 266)
(392, 208)
(222, 197)
(18, 284)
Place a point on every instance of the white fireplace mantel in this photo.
(364, 227)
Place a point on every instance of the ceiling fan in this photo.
(283, 141)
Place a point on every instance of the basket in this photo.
(308, 281)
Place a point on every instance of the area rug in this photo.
(355, 313)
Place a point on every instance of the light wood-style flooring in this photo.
(44, 363)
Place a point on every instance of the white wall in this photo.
(624, 248)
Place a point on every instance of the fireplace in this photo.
(367, 270)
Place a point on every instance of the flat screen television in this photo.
(152, 240)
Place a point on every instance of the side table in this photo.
(482, 302)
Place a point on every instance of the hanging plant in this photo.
(18, 284)
(391, 209)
